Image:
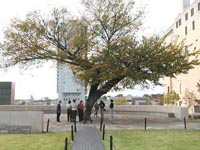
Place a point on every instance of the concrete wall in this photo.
(24, 119)
(20, 120)
(29, 119)
(179, 112)
(45, 109)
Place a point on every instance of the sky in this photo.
(41, 82)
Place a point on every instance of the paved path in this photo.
(123, 121)
(87, 138)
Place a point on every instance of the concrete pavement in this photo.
(123, 121)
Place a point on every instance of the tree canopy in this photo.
(102, 46)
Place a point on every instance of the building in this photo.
(7, 93)
(186, 27)
(140, 101)
(68, 87)
(156, 99)
(129, 99)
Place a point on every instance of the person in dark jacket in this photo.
(58, 111)
(102, 108)
(111, 109)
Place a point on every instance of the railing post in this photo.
(185, 123)
(72, 132)
(103, 132)
(66, 143)
(101, 123)
(48, 125)
(111, 142)
(145, 123)
(75, 130)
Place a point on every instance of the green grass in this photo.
(45, 141)
(154, 140)
(194, 120)
(122, 139)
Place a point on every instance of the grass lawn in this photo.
(154, 140)
(45, 141)
(122, 139)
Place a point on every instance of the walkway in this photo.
(124, 121)
(87, 138)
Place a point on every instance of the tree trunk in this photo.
(96, 93)
(87, 114)
(89, 105)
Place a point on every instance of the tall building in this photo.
(68, 87)
(7, 93)
(186, 27)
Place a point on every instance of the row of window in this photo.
(178, 23)
(5, 102)
(5, 92)
(70, 99)
(71, 94)
(193, 27)
(4, 97)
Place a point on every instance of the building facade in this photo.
(68, 87)
(186, 27)
(7, 93)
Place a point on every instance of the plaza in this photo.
(123, 122)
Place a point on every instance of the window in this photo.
(186, 16)
(192, 11)
(179, 22)
(193, 25)
(185, 30)
(198, 6)
(176, 24)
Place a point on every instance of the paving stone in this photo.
(87, 138)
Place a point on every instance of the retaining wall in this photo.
(29, 119)
(178, 112)
(21, 121)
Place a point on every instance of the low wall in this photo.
(29, 119)
(16, 120)
(46, 109)
(179, 112)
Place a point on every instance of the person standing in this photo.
(69, 111)
(80, 111)
(58, 111)
(102, 108)
(74, 110)
(96, 109)
(111, 109)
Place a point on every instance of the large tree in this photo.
(103, 47)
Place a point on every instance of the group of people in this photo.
(73, 109)
(101, 106)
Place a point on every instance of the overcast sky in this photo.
(160, 15)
